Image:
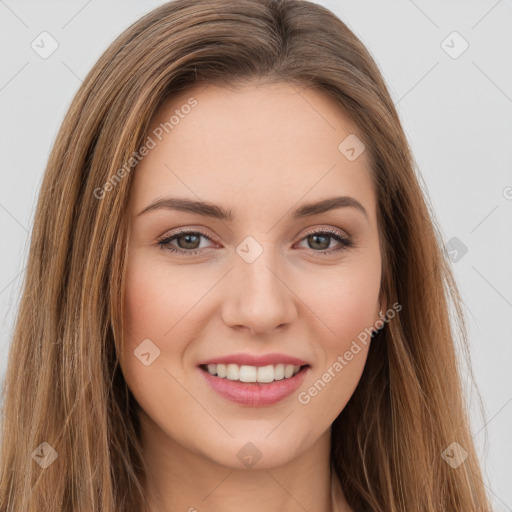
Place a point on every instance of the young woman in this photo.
(236, 296)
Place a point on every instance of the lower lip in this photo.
(255, 394)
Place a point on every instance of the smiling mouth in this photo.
(253, 374)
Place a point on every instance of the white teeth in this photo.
(265, 373)
(288, 371)
(245, 373)
(222, 371)
(248, 373)
(233, 372)
(279, 371)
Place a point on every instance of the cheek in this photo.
(154, 300)
(152, 307)
(149, 313)
(347, 301)
(161, 304)
(345, 305)
(143, 312)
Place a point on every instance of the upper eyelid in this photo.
(187, 231)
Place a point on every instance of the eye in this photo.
(321, 240)
(188, 242)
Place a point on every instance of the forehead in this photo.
(259, 143)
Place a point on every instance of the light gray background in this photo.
(456, 113)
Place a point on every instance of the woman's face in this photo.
(258, 284)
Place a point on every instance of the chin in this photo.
(258, 451)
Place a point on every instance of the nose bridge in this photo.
(258, 297)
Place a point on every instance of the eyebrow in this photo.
(212, 210)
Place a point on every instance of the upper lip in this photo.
(253, 360)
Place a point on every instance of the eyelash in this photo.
(345, 242)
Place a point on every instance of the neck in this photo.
(183, 479)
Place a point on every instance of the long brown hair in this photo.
(64, 386)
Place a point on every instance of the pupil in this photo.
(187, 238)
(315, 237)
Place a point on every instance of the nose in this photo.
(259, 298)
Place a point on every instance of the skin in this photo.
(260, 151)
